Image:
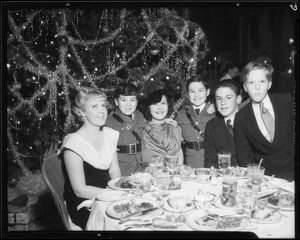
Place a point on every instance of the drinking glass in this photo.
(247, 199)
(255, 175)
(224, 160)
(162, 178)
(185, 172)
(172, 164)
(229, 191)
(155, 164)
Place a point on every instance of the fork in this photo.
(137, 225)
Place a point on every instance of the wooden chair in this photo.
(54, 173)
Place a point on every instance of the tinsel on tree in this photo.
(52, 53)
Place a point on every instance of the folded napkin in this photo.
(278, 182)
(87, 203)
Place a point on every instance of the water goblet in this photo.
(248, 199)
(185, 172)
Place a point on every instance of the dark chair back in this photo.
(54, 174)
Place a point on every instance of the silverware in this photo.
(138, 213)
(271, 213)
(137, 225)
(267, 195)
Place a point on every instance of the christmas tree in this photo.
(52, 53)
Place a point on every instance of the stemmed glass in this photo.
(247, 199)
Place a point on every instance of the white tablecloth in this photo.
(285, 228)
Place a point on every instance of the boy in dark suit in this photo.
(219, 130)
(264, 128)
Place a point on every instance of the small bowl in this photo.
(204, 199)
(178, 201)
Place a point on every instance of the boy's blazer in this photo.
(251, 145)
(217, 138)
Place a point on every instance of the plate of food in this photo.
(216, 220)
(122, 183)
(111, 195)
(178, 203)
(170, 222)
(283, 200)
(129, 206)
(265, 215)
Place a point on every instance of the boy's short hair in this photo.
(254, 65)
(125, 89)
(233, 85)
(196, 78)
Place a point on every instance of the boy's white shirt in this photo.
(200, 107)
(256, 109)
(232, 121)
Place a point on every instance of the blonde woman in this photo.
(90, 154)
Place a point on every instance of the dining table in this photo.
(101, 220)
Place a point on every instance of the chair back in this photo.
(54, 173)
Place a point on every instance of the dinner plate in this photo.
(219, 204)
(112, 195)
(179, 228)
(112, 184)
(123, 205)
(153, 195)
(221, 172)
(290, 207)
(194, 220)
(276, 217)
(189, 207)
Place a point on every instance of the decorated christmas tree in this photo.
(52, 53)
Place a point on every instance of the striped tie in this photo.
(230, 127)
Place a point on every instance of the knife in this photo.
(271, 213)
(267, 195)
(138, 213)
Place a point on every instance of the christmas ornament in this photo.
(121, 41)
(155, 44)
(37, 142)
(62, 40)
(105, 30)
(155, 51)
(178, 88)
(16, 85)
(12, 182)
(29, 113)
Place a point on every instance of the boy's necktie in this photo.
(197, 111)
(229, 125)
(268, 121)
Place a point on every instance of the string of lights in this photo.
(61, 67)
